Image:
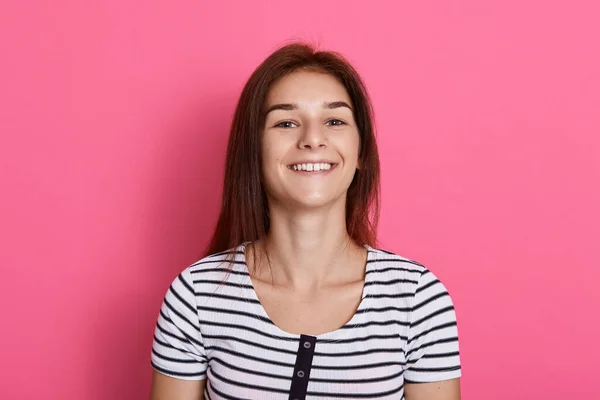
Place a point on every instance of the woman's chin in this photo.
(314, 201)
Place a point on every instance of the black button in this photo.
(300, 374)
(307, 345)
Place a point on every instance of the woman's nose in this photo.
(313, 136)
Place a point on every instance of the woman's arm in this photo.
(166, 388)
(442, 390)
(178, 347)
(433, 367)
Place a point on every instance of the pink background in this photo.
(114, 118)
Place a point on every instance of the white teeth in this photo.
(311, 167)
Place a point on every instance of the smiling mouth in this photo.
(312, 167)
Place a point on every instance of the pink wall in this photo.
(114, 116)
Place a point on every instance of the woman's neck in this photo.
(309, 250)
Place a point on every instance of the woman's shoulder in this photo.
(391, 268)
(214, 270)
(382, 260)
(223, 260)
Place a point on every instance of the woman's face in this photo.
(310, 141)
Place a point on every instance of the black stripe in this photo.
(247, 356)
(376, 323)
(363, 366)
(187, 285)
(182, 300)
(223, 283)
(363, 338)
(429, 344)
(427, 286)
(361, 353)
(181, 374)
(390, 282)
(359, 395)
(383, 309)
(177, 360)
(228, 297)
(249, 329)
(211, 260)
(365, 380)
(248, 342)
(180, 315)
(248, 371)
(165, 344)
(440, 369)
(429, 300)
(433, 314)
(389, 295)
(246, 385)
(392, 260)
(223, 270)
(441, 355)
(376, 271)
(166, 332)
(187, 336)
(435, 328)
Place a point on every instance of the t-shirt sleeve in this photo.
(178, 349)
(432, 353)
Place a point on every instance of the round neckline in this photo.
(365, 292)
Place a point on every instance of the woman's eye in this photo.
(335, 122)
(285, 124)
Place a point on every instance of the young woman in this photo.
(293, 300)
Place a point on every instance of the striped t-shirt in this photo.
(212, 326)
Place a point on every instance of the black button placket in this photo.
(304, 357)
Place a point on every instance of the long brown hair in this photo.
(244, 214)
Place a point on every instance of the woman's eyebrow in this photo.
(283, 106)
(293, 106)
(336, 104)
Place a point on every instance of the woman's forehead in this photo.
(307, 87)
